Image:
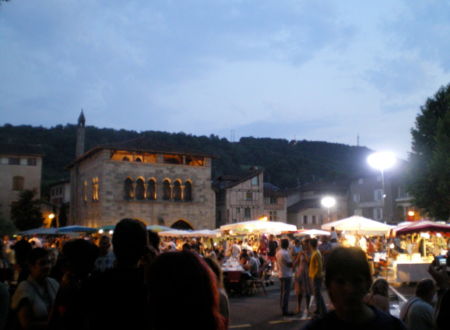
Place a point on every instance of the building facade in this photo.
(275, 203)
(20, 169)
(239, 198)
(304, 204)
(166, 188)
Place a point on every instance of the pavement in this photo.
(261, 311)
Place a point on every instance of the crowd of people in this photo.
(135, 280)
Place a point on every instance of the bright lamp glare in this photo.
(328, 201)
(382, 160)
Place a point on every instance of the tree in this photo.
(26, 213)
(430, 159)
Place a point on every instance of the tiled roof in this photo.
(229, 181)
(303, 205)
(21, 149)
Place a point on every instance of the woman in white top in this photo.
(34, 297)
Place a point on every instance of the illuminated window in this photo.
(167, 190)
(151, 189)
(85, 191)
(173, 159)
(18, 183)
(177, 191)
(140, 189)
(188, 191)
(95, 189)
(128, 189)
(195, 161)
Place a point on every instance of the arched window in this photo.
(151, 189)
(138, 159)
(126, 159)
(167, 190)
(188, 191)
(129, 190)
(95, 189)
(177, 191)
(182, 224)
(140, 189)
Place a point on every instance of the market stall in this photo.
(419, 241)
(358, 225)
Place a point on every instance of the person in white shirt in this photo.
(284, 263)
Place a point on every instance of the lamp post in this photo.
(328, 202)
(382, 161)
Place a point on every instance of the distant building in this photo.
(304, 204)
(239, 198)
(20, 169)
(141, 179)
(60, 193)
(275, 203)
(366, 196)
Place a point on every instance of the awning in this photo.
(359, 225)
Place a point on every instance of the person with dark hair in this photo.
(78, 258)
(34, 297)
(284, 264)
(183, 293)
(116, 298)
(379, 295)
(224, 305)
(154, 239)
(21, 249)
(417, 313)
(348, 279)
(315, 273)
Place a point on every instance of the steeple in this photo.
(79, 148)
(81, 119)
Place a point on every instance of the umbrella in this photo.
(39, 231)
(359, 225)
(421, 226)
(258, 226)
(76, 229)
(203, 233)
(313, 232)
(174, 233)
(158, 228)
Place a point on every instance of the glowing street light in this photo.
(328, 202)
(382, 161)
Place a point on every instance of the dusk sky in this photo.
(315, 70)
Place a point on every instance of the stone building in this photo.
(142, 179)
(20, 169)
(239, 198)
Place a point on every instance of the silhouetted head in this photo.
(154, 239)
(130, 241)
(347, 278)
(426, 289)
(215, 267)
(39, 263)
(381, 287)
(284, 243)
(313, 243)
(183, 293)
(79, 256)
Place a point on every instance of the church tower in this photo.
(79, 149)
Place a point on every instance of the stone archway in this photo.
(182, 224)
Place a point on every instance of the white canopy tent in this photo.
(359, 225)
(258, 226)
(313, 232)
(190, 233)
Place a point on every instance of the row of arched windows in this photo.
(141, 189)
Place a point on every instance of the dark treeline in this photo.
(286, 163)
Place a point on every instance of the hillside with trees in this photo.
(286, 163)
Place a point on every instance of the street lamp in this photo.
(328, 202)
(382, 161)
(51, 216)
